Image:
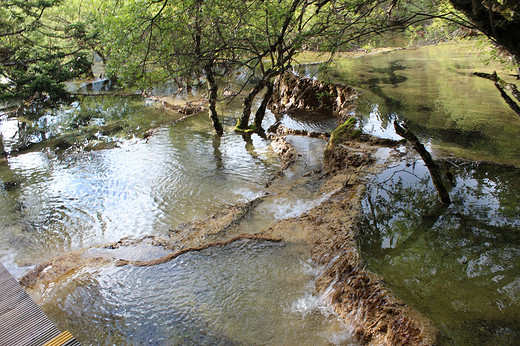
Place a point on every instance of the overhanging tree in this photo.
(36, 56)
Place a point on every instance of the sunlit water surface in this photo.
(457, 266)
(246, 293)
(243, 294)
(75, 199)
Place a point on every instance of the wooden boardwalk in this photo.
(22, 322)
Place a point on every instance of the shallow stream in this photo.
(56, 200)
(459, 266)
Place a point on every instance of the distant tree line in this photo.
(44, 43)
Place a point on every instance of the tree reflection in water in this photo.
(458, 265)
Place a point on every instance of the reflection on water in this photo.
(310, 121)
(460, 266)
(248, 293)
(61, 201)
(245, 293)
(433, 89)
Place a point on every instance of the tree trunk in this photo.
(260, 112)
(510, 102)
(503, 30)
(504, 85)
(433, 168)
(3, 154)
(208, 69)
(243, 122)
(213, 94)
(501, 85)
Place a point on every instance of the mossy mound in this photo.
(347, 130)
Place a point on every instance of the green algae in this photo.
(344, 131)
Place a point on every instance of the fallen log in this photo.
(502, 86)
(403, 131)
(176, 254)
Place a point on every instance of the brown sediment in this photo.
(176, 254)
(183, 107)
(281, 130)
(285, 151)
(61, 267)
(358, 296)
(187, 237)
(197, 232)
(293, 92)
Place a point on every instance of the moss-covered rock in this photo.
(249, 129)
(347, 130)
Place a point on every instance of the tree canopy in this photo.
(497, 19)
(44, 43)
(37, 52)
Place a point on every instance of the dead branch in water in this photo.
(502, 86)
(176, 254)
(510, 102)
(438, 181)
(495, 78)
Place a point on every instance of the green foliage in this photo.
(37, 54)
(499, 20)
(433, 31)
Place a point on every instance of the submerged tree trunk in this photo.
(260, 112)
(510, 102)
(213, 93)
(433, 168)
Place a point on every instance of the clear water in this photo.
(460, 266)
(432, 88)
(53, 201)
(70, 200)
(243, 294)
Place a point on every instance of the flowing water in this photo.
(459, 266)
(55, 200)
(243, 294)
(73, 199)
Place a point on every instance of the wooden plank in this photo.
(22, 322)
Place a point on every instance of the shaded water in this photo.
(432, 88)
(460, 266)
